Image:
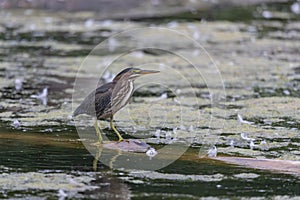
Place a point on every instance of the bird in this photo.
(106, 100)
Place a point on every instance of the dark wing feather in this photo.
(97, 103)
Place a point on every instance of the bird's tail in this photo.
(77, 111)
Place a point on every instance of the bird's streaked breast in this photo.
(121, 95)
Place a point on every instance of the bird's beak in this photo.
(142, 72)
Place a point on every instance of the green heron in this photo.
(109, 98)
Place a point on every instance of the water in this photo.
(40, 160)
(42, 156)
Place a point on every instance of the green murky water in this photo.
(46, 166)
(42, 156)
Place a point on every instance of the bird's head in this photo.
(132, 73)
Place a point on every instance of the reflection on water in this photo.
(258, 56)
(64, 161)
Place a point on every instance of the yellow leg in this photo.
(97, 157)
(115, 130)
(98, 131)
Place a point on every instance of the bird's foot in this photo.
(98, 144)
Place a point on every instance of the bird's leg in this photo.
(115, 130)
(98, 131)
(96, 159)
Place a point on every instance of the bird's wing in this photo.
(103, 100)
(97, 102)
(105, 88)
